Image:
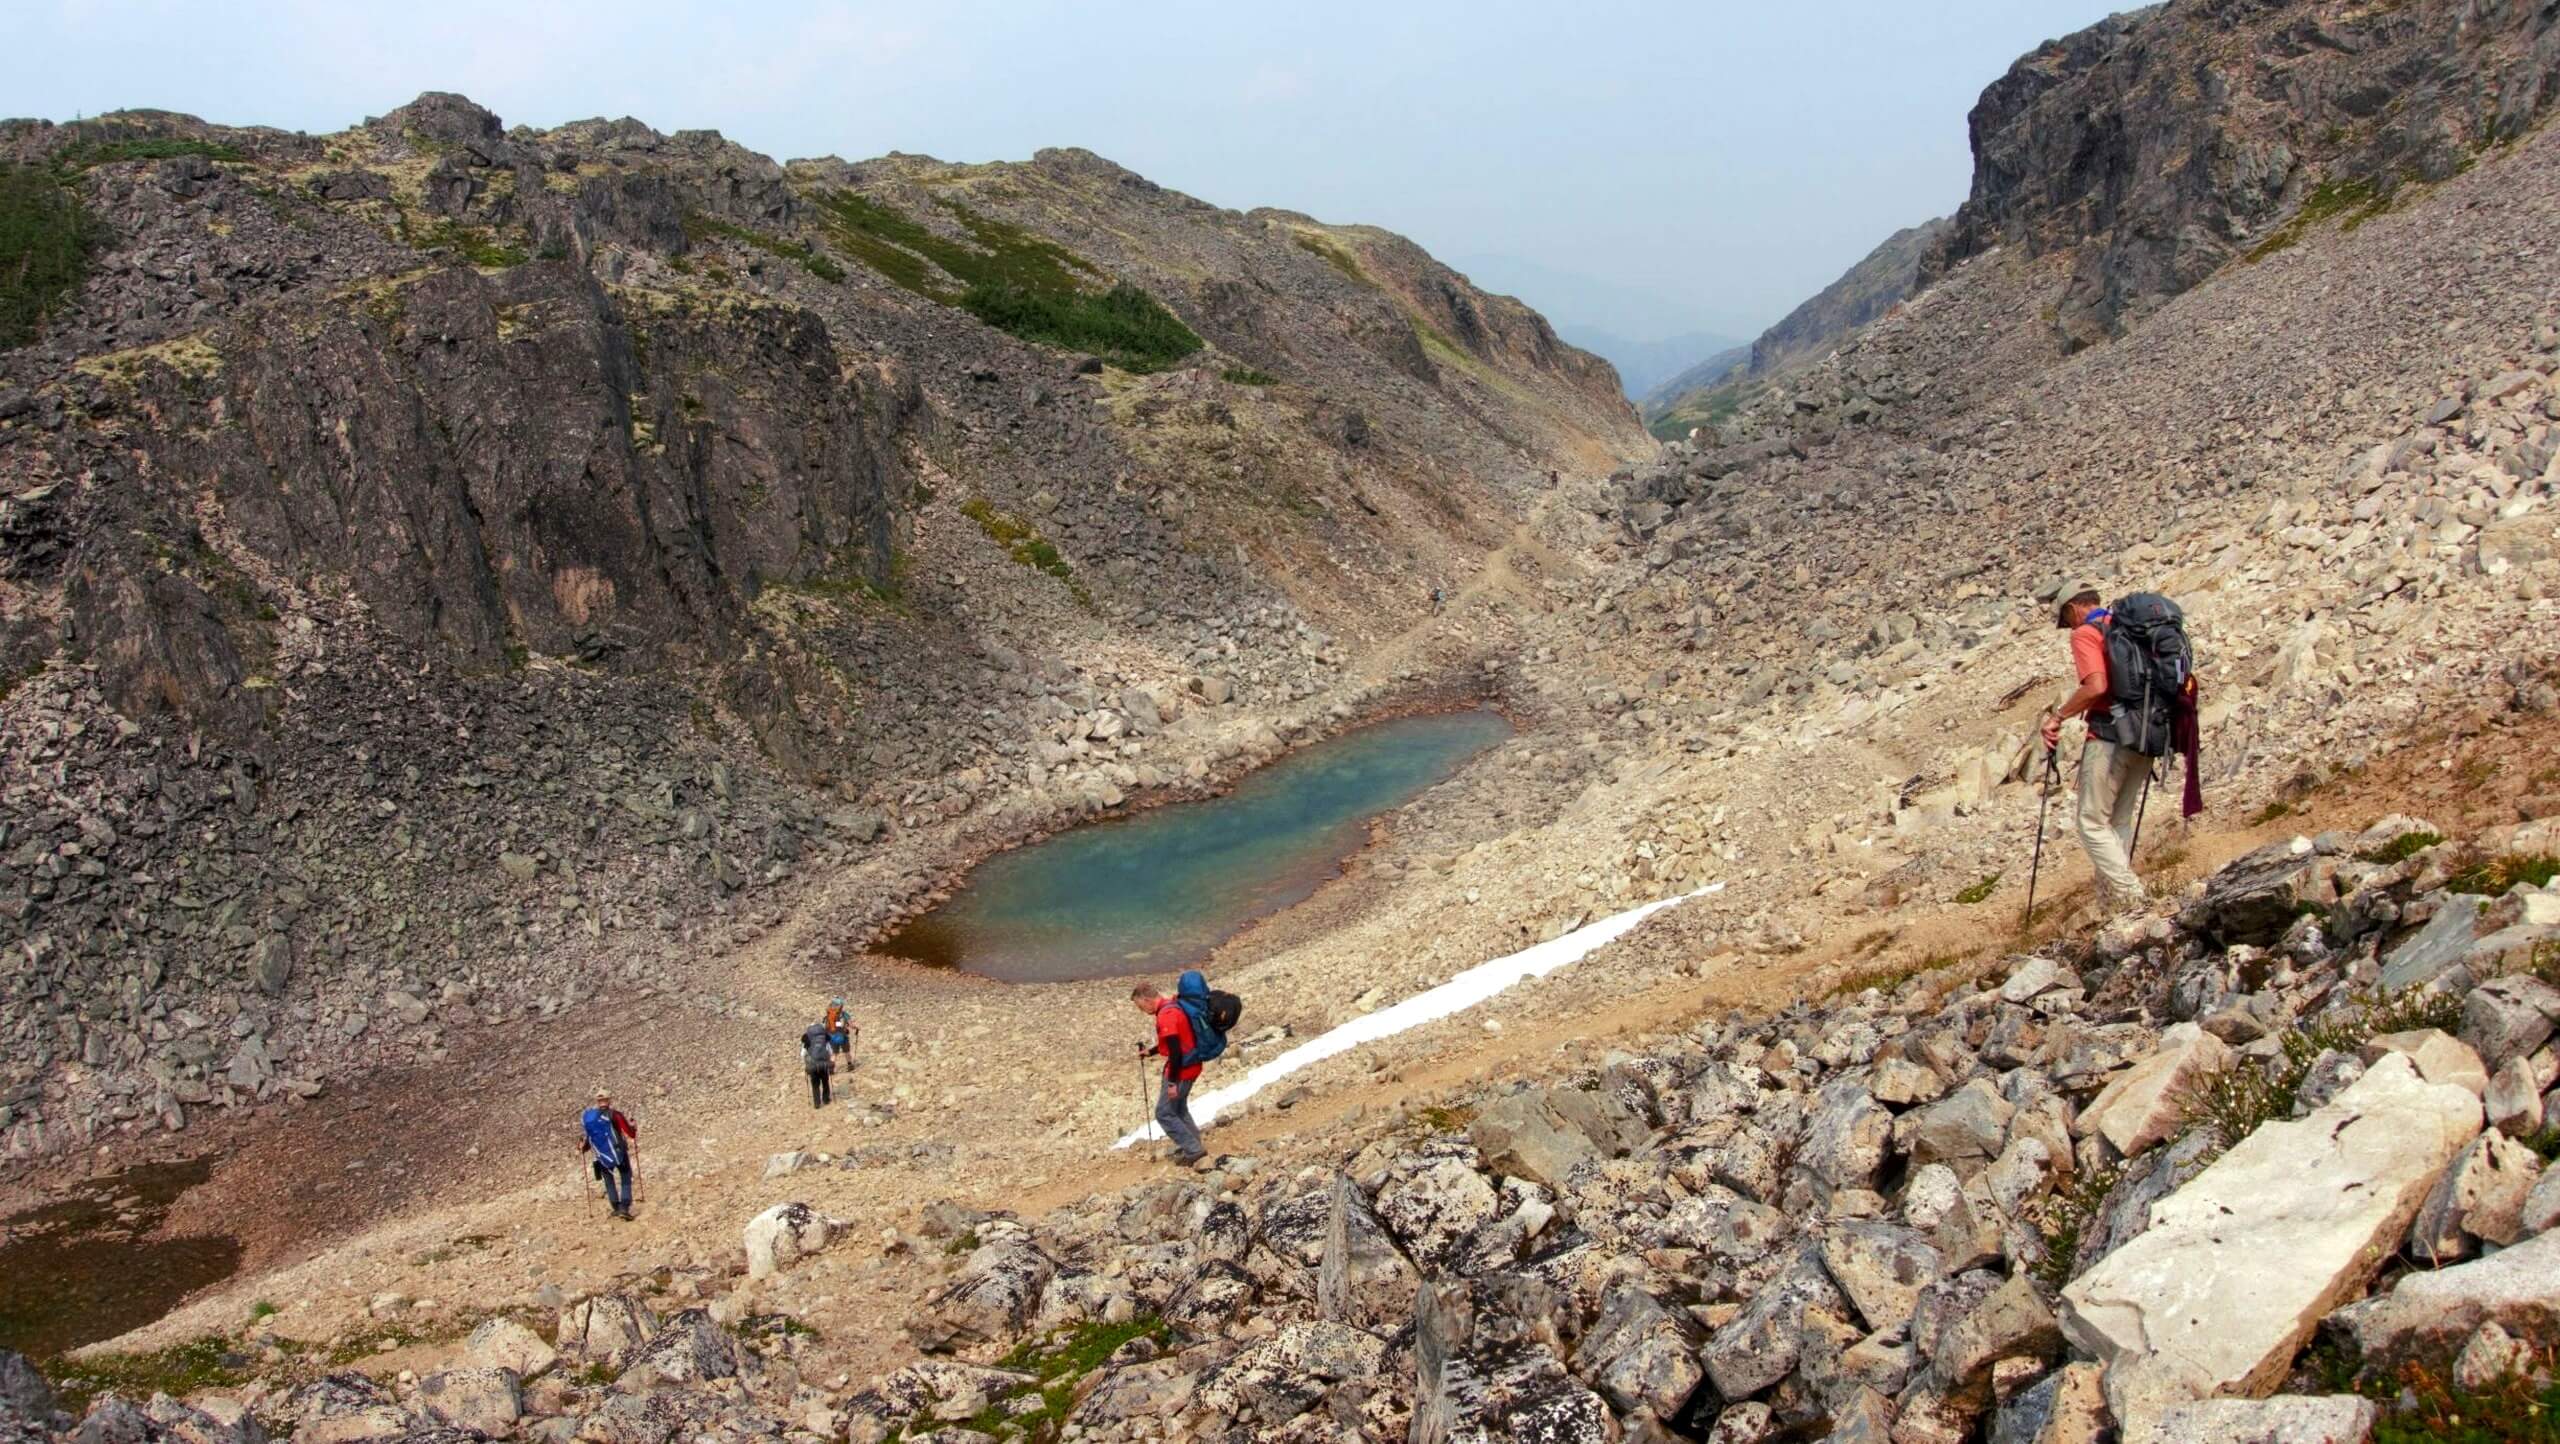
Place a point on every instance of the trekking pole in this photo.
(2035, 869)
(1142, 1098)
(2138, 809)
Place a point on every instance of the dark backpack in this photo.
(1213, 1015)
(2149, 667)
(815, 1053)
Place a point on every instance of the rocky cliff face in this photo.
(607, 522)
(2156, 145)
(1879, 281)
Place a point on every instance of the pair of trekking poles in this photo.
(2052, 782)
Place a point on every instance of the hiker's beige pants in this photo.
(2110, 791)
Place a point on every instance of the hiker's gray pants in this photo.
(1173, 1115)
(2110, 791)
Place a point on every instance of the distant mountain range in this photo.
(1648, 336)
(1643, 366)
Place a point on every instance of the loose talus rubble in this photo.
(2133, 1182)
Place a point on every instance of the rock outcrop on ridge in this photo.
(2159, 144)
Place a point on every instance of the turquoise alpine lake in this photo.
(1158, 891)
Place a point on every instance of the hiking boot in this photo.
(1189, 1160)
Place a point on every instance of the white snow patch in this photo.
(1457, 995)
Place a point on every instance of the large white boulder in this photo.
(782, 1235)
(2238, 1267)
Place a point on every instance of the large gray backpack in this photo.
(815, 1052)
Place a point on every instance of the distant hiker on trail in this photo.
(1437, 598)
(818, 1055)
(840, 1029)
(2137, 690)
(1191, 1028)
(604, 1132)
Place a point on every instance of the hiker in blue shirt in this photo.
(604, 1132)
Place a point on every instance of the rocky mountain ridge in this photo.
(2160, 144)
(1714, 388)
(610, 524)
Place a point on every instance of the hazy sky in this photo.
(1728, 159)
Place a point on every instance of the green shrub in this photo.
(1249, 376)
(473, 243)
(2235, 1101)
(72, 159)
(46, 238)
(2498, 874)
(1021, 284)
(816, 262)
(1978, 891)
(2066, 1215)
(1334, 256)
(178, 1370)
(1123, 325)
(2407, 845)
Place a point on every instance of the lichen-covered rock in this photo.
(2517, 1289)
(2480, 1199)
(604, 1329)
(344, 1408)
(783, 1235)
(690, 1349)
(503, 1343)
(1881, 1268)
(992, 1298)
(2285, 1419)
(1640, 1354)
(486, 1401)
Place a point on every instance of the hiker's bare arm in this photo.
(2091, 693)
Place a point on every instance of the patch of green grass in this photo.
(263, 1310)
(818, 263)
(1438, 1119)
(2421, 1403)
(73, 159)
(2491, 878)
(962, 1243)
(1978, 891)
(1057, 1361)
(178, 1370)
(1248, 376)
(2355, 199)
(473, 243)
(1022, 284)
(453, 1248)
(2400, 849)
(1023, 543)
(1890, 976)
(1334, 256)
(1123, 325)
(2270, 813)
(46, 239)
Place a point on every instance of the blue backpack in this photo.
(1213, 1015)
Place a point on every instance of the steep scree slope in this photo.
(440, 559)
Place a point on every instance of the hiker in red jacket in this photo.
(1174, 1040)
